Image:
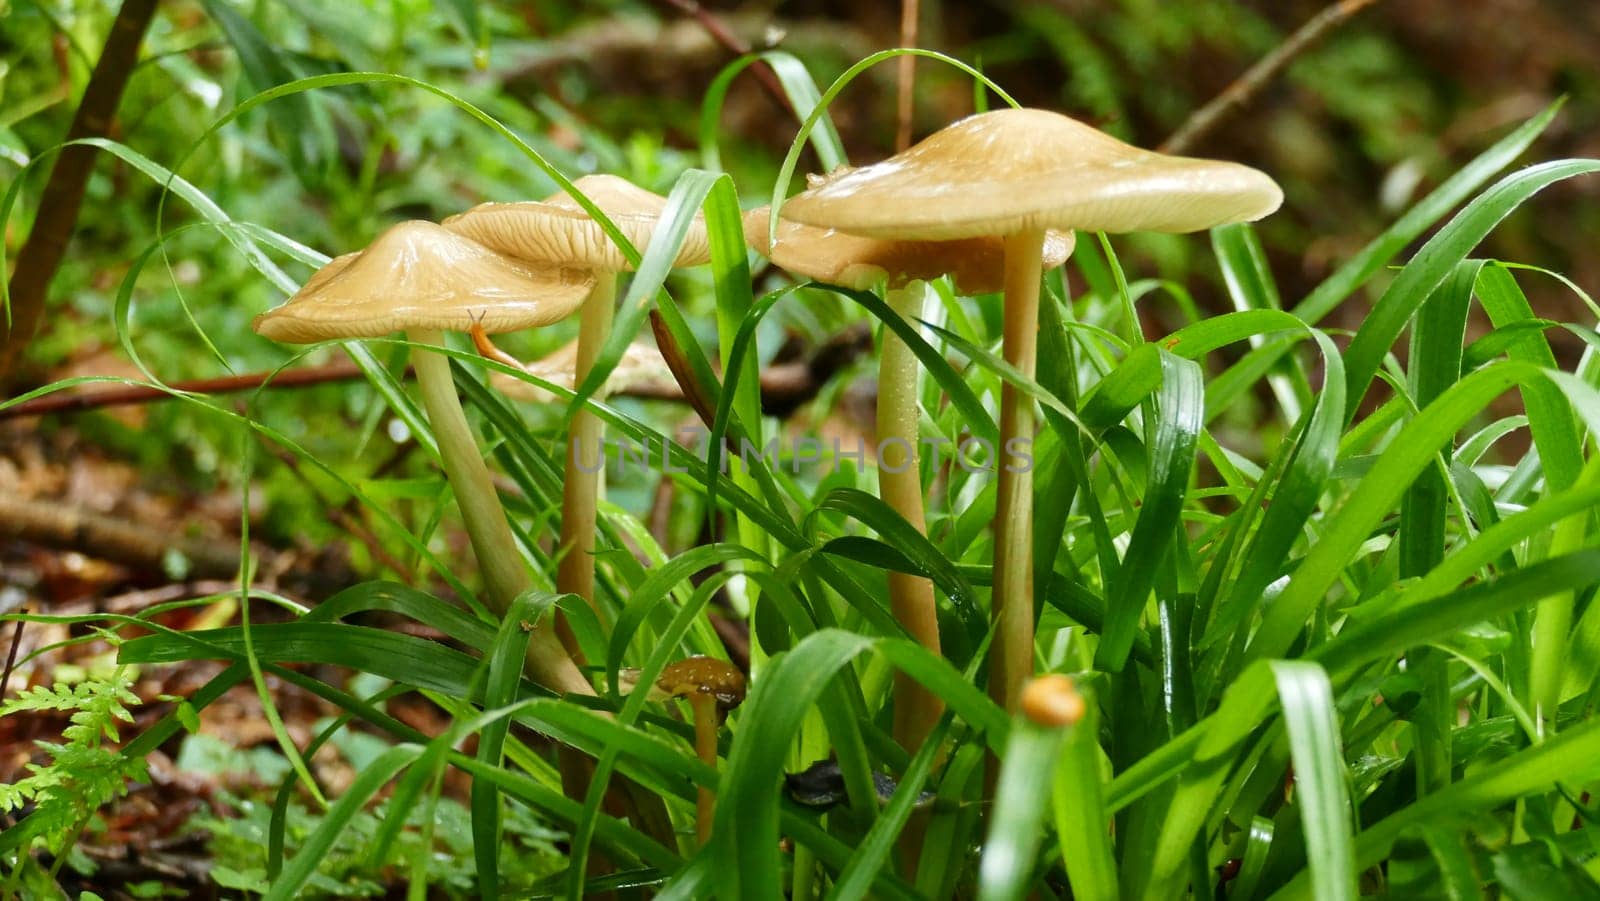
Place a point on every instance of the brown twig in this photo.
(11, 659)
(63, 193)
(784, 387)
(910, 11)
(106, 538)
(1244, 89)
(722, 34)
(694, 392)
(128, 395)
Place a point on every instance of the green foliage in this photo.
(438, 835)
(1336, 628)
(58, 800)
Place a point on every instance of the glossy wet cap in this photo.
(418, 275)
(1006, 171)
(704, 676)
(976, 265)
(557, 231)
(641, 364)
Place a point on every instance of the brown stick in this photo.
(1244, 89)
(693, 391)
(127, 395)
(69, 176)
(95, 535)
(784, 386)
(910, 11)
(11, 660)
(722, 34)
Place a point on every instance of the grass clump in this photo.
(1326, 596)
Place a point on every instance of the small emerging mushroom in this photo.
(559, 232)
(420, 278)
(1052, 701)
(977, 266)
(1013, 174)
(712, 687)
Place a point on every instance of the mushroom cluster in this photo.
(991, 202)
(1014, 175)
(424, 280)
(558, 232)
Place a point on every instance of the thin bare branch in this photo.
(784, 386)
(63, 194)
(57, 525)
(722, 34)
(1245, 88)
(905, 99)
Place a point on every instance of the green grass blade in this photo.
(411, 603)
(505, 662)
(1455, 189)
(1012, 845)
(1377, 493)
(1181, 412)
(337, 820)
(1434, 262)
(402, 658)
(872, 856)
(1083, 824)
(1571, 758)
(1313, 725)
(1434, 365)
(975, 416)
(1550, 420)
(746, 834)
(298, 126)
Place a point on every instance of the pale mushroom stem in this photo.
(704, 707)
(499, 559)
(585, 457)
(916, 710)
(1011, 660)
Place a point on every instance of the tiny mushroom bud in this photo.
(711, 686)
(1052, 701)
(421, 278)
(1014, 174)
(557, 231)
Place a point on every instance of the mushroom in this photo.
(421, 278)
(1014, 174)
(977, 266)
(1052, 701)
(712, 687)
(641, 366)
(558, 232)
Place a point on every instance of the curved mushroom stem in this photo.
(916, 710)
(705, 744)
(499, 558)
(585, 456)
(1011, 657)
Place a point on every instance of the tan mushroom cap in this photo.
(703, 676)
(977, 265)
(418, 275)
(641, 364)
(1002, 172)
(557, 232)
